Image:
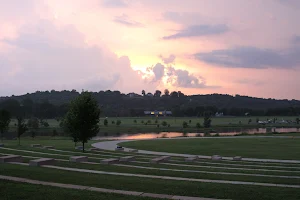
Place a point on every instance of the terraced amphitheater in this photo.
(61, 171)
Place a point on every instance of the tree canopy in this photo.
(82, 119)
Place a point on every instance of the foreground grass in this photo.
(209, 190)
(16, 191)
(275, 148)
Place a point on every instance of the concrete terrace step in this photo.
(103, 190)
(42, 161)
(110, 161)
(11, 158)
(78, 159)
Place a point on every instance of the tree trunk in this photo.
(82, 146)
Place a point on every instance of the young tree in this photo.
(119, 122)
(82, 119)
(105, 122)
(33, 125)
(297, 120)
(21, 128)
(184, 124)
(164, 123)
(207, 120)
(198, 125)
(135, 121)
(4, 122)
(249, 121)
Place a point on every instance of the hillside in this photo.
(114, 103)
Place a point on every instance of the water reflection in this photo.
(228, 132)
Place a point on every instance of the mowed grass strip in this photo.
(15, 191)
(184, 188)
(157, 172)
(268, 148)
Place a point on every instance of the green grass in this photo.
(210, 190)
(16, 191)
(275, 148)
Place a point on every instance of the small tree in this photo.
(297, 120)
(21, 128)
(142, 121)
(113, 122)
(119, 122)
(184, 124)
(249, 121)
(156, 121)
(105, 122)
(135, 121)
(82, 119)
(198, 125)
(4, 122)
(33, 125)
(207, 120)
(190, 121)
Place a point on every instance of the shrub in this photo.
(105, 122)
(184, 124)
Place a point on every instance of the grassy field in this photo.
(276, 148)
(16, 191)
(271, 173)
(148, 124)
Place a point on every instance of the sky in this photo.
(195, 46)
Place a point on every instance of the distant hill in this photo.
(115, 103)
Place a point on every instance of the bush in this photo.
(198, 125)
(119, 122)
(113, 122)
(134, 121)
(142, 121)
(157, 125)
(156, 121)
(164, 123)
(184, 124)
(105, 122)
(190, 121)
(46, 124)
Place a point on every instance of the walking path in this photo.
(172, 178)
(103, 190)
(111, 145)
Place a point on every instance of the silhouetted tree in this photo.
(143, 93)
(207, 120)
(21, 128)
(33, 125)
(174, 94)
(83, 117)
(4, 122)
(167, 92)
(157, 93)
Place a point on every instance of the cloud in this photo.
(159, 72)
(290, 3)
(252, 57)
(168, 60)
(115, 3)
(184, 79)
(296, 40)
(177, 77)
(125, 20)
(45, 57)
(198, 30)
(250, 82)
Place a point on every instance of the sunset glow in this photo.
(195, 46)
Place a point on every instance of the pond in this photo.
(224, 132)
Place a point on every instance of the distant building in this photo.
(158, 113)
(219, 114)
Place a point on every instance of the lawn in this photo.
(275, 148)
(15, 191)
(210, 190)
